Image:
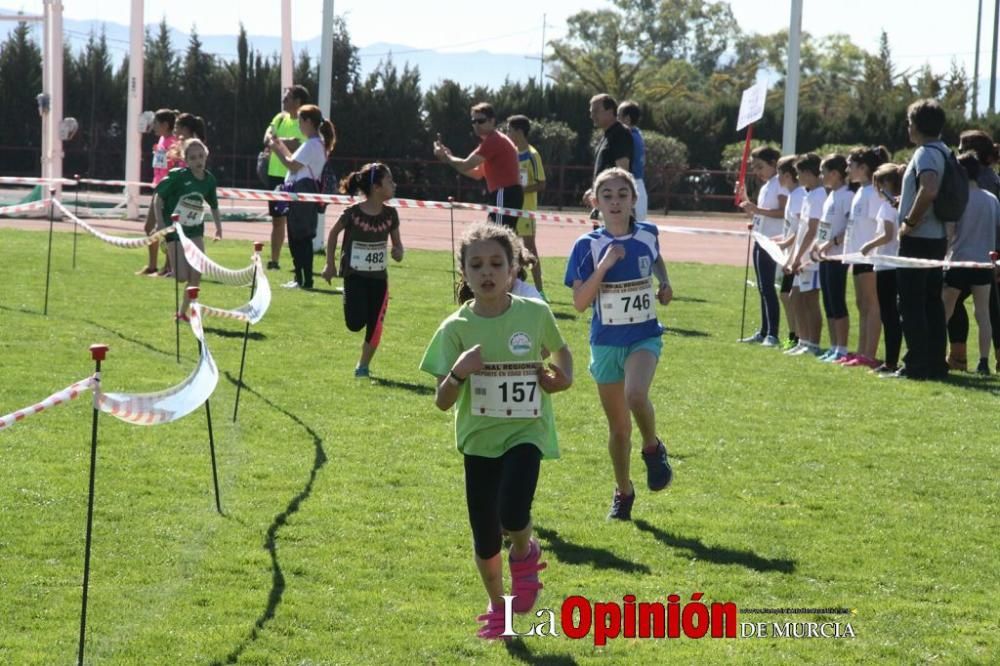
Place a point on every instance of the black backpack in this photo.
(327, 183)
(953, 191)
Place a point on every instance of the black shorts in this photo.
(507, 197)
(274, 181)
(963, 278)
(861, 269)
(787, 282)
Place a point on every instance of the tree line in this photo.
(685, 61)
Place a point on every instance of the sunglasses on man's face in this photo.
(480, 121)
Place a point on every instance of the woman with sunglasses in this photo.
(495, 160)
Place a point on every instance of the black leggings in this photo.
(499, 492)
(833, 284)
(764, 267)
(958, 325)
(365, 301)
(892, 335)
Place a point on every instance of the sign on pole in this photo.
(752, 105)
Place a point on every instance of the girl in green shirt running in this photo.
(487, 358)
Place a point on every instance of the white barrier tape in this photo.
(781, 257)
(69, 393)
(18, 180)
(253, 311)
(199, 261)
(173, 403)
(117, 241)
(19, 209)
(112, 183)
(697, 231)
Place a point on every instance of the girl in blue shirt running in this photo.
(611, 269)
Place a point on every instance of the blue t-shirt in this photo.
(638, 163)
(642, 249)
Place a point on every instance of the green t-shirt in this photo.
(510, 342)
(185, 194)
(285, 127)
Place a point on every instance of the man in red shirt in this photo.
(495, 160)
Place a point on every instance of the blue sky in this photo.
(515, 26)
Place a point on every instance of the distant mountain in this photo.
(468, 68)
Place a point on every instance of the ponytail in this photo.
(364, 179)
(196, 124)
(329, 134)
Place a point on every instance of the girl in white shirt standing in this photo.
(861, 228)
(767, 214)
(305, 167)
(810, 321)
(888, 180)
(788, 178)
(833, 272)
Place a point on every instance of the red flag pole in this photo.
(741, 183)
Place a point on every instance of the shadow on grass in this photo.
(717, 554)
(225, 333)
(564, 315)
(599, 558)
(332, 291)
(685, 332)
(518, 649)
(37, 313)
(134, 341)
(270, 543)
(419, 389)
(973, 382)
(689, 299)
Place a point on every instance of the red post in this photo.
(743, 166)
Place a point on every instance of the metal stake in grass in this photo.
(454, 279)
(97, 352)
(257, 248)
(192, 293)
(176, 219)
(76, 213)
(746, 280)
(48, 263)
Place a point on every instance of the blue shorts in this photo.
(607, 363)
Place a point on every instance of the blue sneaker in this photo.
(658, 471)
(834, 357)
(361, 372)
(826, 356)
(621, 506)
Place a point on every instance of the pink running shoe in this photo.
(493, 624)
(524, 578)
(861, 362)
(845, 360)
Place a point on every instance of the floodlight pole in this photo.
(791, 120)
(975, 73)
(993, 68)
(56, 88)
(133, 139)
(325, 97)
(287, 64)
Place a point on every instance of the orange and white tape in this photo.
(69, 393)
(173, 403)
(20, 209)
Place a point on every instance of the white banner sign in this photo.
(752, 105)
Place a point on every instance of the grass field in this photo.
(345, 538)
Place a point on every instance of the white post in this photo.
(792, 80)
(46, 156)
(287, 64)
(133, 139)
(325, 95)
(57, 89)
